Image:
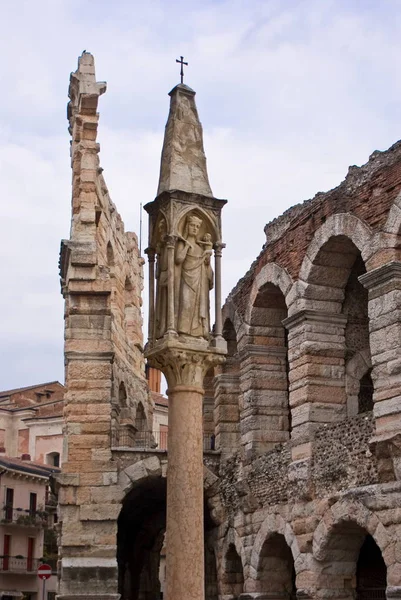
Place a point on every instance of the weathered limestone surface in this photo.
(184, 228)
(183, 163)
(101, 278)
(305, 412)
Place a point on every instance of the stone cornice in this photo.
(314, 316)
(382, 275)
(90, 356)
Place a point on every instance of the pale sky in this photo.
(289, 92)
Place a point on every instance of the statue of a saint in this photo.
(161, 280)
(195, 280)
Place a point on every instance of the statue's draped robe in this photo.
(194, 283)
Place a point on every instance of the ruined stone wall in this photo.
(334, 264)
(101, 276)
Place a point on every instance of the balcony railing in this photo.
(152, 440)
(12, 564)
(20, 516)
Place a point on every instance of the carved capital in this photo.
(184, 366)
(218, 248)
(171, 240)
(151, 252)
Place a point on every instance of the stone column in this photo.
(184, 369)
(171, 325)
(218, 250)
(264, 397)
(384, 285)
(151, 257)
(316, 354)
(226, 406)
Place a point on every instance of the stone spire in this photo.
(183, 162)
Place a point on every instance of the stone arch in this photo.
(275, 558)
(355, 369)
(110, 255)
(343, 512)
(273, 274)
(232, 565)
(122, 395)
(208, 225)
(337, 545)
(230, 335)
(156, 466)
(273, 523)
(266, 415)
(328, 261)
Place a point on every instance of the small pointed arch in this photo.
(230, 335)
(140, 418)
(208, 225)
(110, 254)
(122, 395)
(358, 383)
(232, 567)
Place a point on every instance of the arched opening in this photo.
(353, 566)
(333, 287)
(276, 572)
(53, 459)
(142, 548)
(141, 426)
(229, 334)
(110, 255)
(233, 575)
(265, 402)
(371, 572)
(226, 390)
(355, 307)
(122, 395)
(365, 395)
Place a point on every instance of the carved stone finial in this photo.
(183, 162)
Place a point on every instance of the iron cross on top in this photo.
(182, 63)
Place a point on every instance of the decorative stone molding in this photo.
(184, 365)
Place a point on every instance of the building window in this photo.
(53, 459)
(9, 504)
(51, 595)
(32, 504)
(6, 551)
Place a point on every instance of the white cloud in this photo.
(289, 95)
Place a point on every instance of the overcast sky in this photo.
(290, 93)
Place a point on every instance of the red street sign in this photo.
(44, 571)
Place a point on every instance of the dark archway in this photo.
(365, 395)
(371, 572)
(140, 542)
(233, 575)
(276, 572)
(352, 564)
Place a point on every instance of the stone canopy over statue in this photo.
(193, 279)
(184, 234)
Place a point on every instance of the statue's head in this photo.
(193, 225)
